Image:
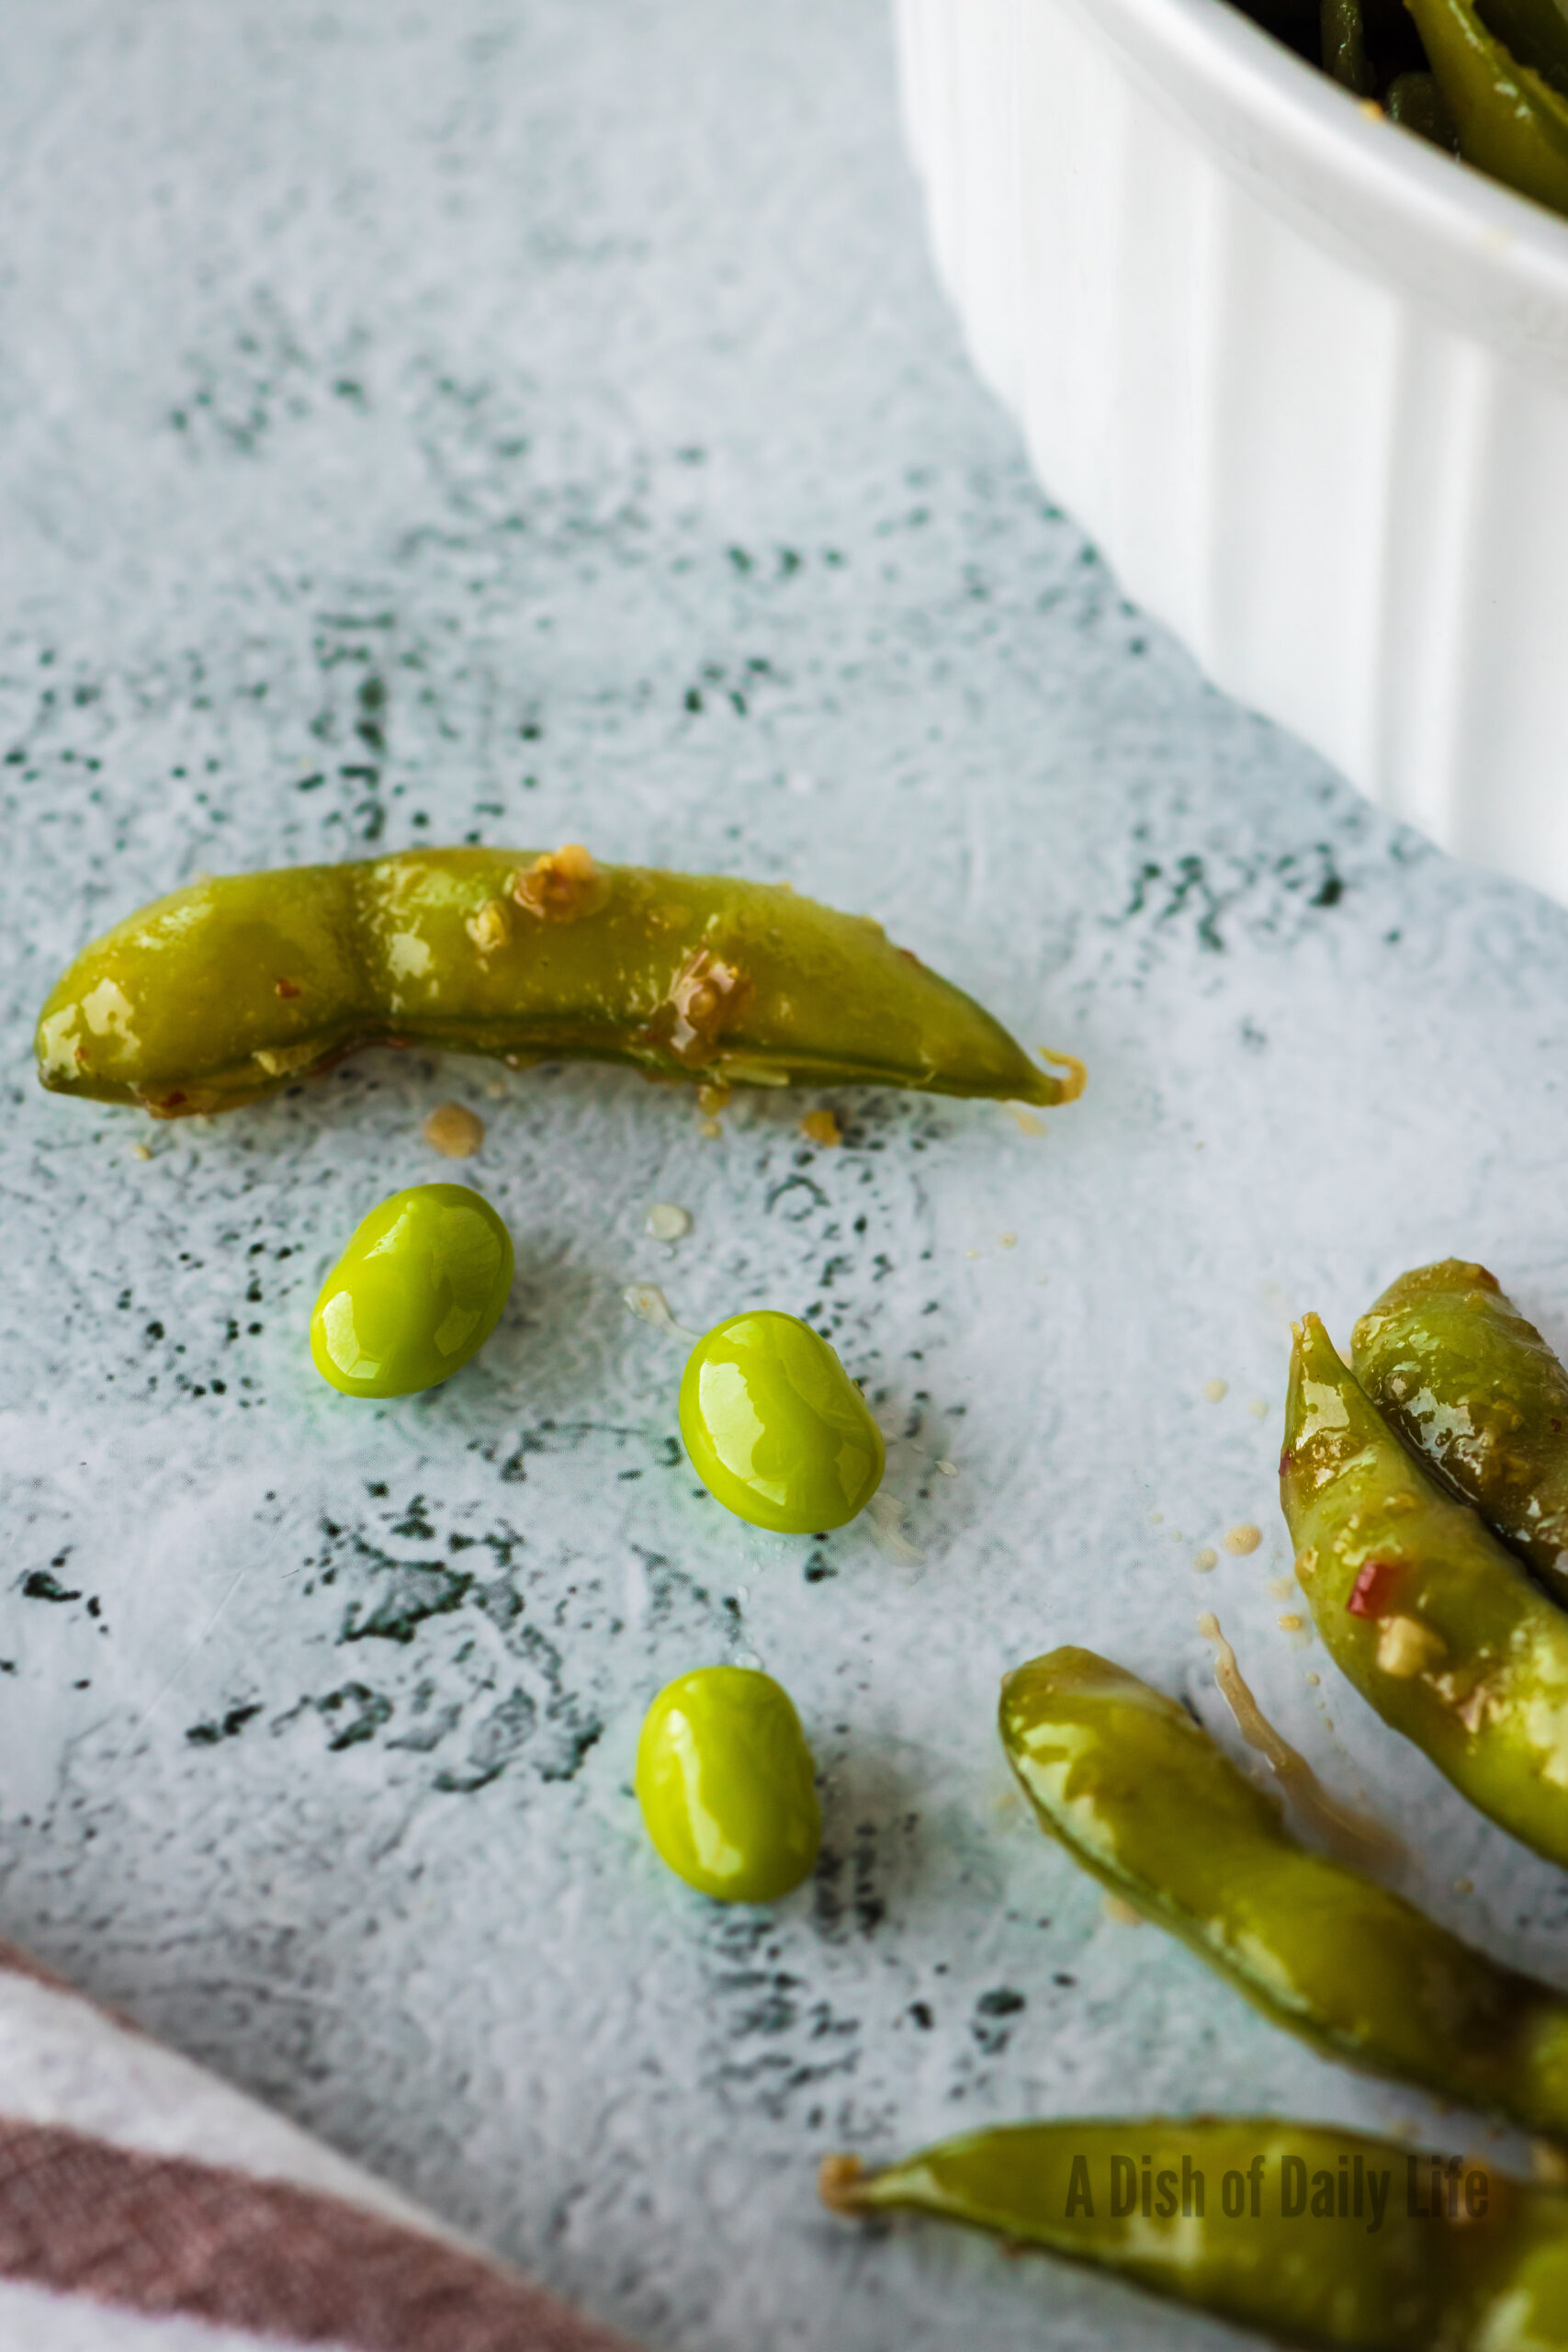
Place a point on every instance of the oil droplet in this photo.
(886, 1516)
(1215, 1390)
(1352, 1834)
(1243, 1536)
(1256, 1407)
(648, 1302)
(1206, 1559)
(1027, 1124)
(1121, 1912)
(667, 1221)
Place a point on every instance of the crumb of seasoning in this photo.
(1007, 1240)
(1157, 1518)
(1121, 1912)
(822, 1128)
(1206, 1559)
(140, 1151)
(1027, 1124)
(1243, 1536)
(1215, 1390)
(490, 927)
(1464, 1886)
(1290, 1622)
(1314, 1679)
(971, 1254)
(1258, 1407)
(667, 1221)
(710, 1130)
(712, 1100)
(454, 1131)
(947, 1469)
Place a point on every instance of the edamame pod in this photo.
(1309, 2233)
(1510, 120)
(1420, 1605)
(229, 990)
(1474, 1389)
(1417, 104)
(1142, 1796)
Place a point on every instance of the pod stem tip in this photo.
(837, 2184)
(1076, 1078)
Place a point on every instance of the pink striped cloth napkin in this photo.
(146, 2207)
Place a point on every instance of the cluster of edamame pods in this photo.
(1426, 1493)
(1486, 79)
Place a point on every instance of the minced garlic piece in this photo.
(454, 1131)
(705, 996)
(561, 885)
(1407, 1648)
(280, 1060)
(489, 927)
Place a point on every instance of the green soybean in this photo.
(417, 1292)
(776, 1428)
(725, 1783)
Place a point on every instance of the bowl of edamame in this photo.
(1300, 372)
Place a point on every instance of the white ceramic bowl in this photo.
(1303, 379)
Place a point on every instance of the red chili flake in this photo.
(1285, 1461)
(287, 987)
(1372, 1595)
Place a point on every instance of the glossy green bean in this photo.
(1431, 1618)
(1474, 1389)
(1308, 2232)
(1344, 47)
(229, 990)
(1140, 1795)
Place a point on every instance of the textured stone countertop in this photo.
(535, 423)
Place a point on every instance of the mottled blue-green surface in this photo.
(535, 423)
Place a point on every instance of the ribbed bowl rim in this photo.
(1496, 257)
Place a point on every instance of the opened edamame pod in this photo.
(777, 1430)
(725, 1781)
(417, 1292)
